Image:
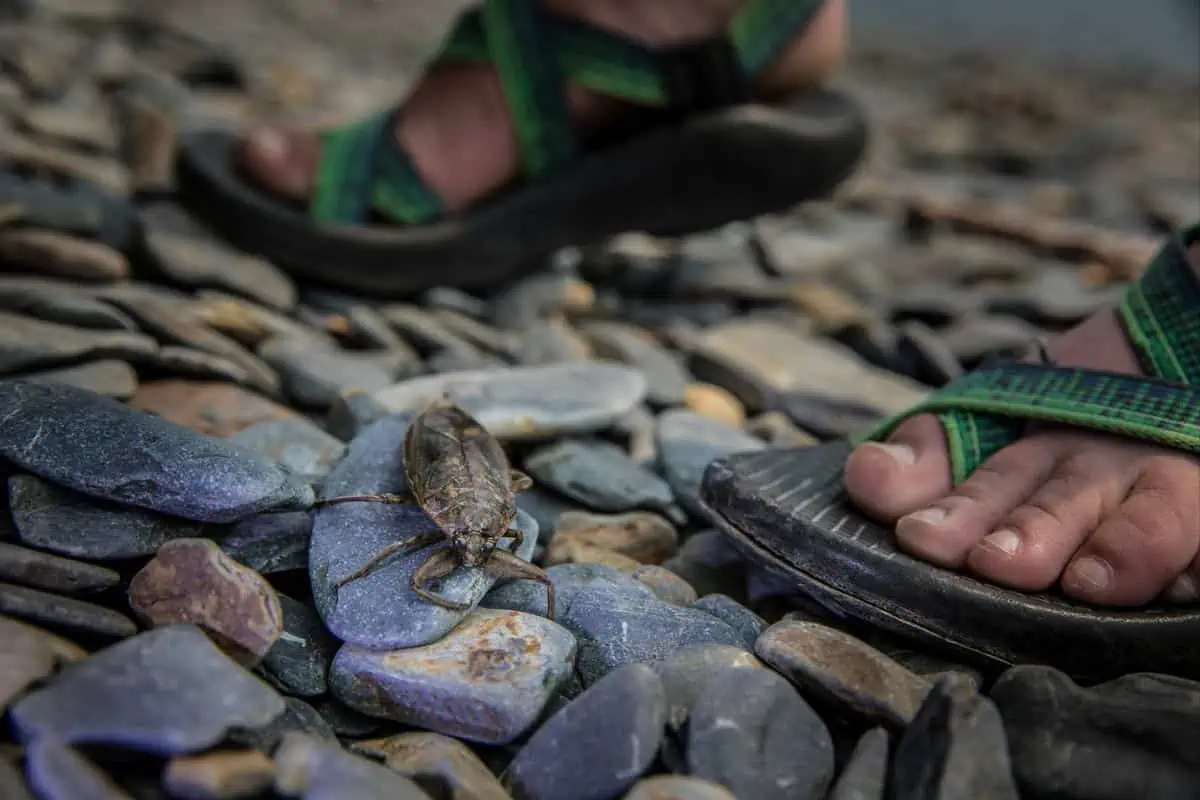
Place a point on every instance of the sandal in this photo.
(702, 154)
(788, 509)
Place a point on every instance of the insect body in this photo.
(458, 474)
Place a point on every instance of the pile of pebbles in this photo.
(171, 408)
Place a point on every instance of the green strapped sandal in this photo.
(788, 509)
(701, 153)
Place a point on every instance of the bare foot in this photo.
(1113, 521)
(456, 126)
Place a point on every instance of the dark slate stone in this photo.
(545, 506)
(297, 444)
(270, 542)
(317, 770)
(865, 775)
(59, 772)
(167, 691)
(686, 674)
(599, 475)
(953, 748)
(687, 443)
(568, 581)
(299, 661)
(597, 746)
(344, 720)
(615, 627)
(1135, 736)
(52, 573)
(136, 458)
(315, 377)
(736, 615)
(298, 716)
(380, 611)
(64, 613)
(67, 522)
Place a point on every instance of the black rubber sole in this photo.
(711, 170)
(787, 509)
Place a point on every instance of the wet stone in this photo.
(1128, 737)
(666, 585)
(58, 255)
(864, 777)
(643, 536)
(29, 655)
(221, 775)
(136, 458)
(29, 344)
(666, 378)
(269, 543)
(599, 475)
(297, 444)
(568, 581)
(529, 402)
(845, 670)
(686, 674)
(52, 573)
(191, 580)
(217, 409)
(168, 691)
(299, 660)
(314, 377)
(616, 627)
(380, 610)
(107, 377)
(677, 787)
(309, 768)
(64, 613)
(429, 758)
(751, 732)
(486, 681)
(733, 613)
(687, 444)
(59, 772)
(72, 524)
(954, 747)
(545, 508)
(598, 745)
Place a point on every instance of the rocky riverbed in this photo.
(170, 409)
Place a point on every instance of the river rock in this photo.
(864, 777)
(677, 787)
(380, 610)
(714, 402)
(299, 660)
(191, 580)
(167, 691)
(529, 402)
(218, 409)
(29, 344)
(598, 745)
(429, 757)
(67, 522)
(138, 459)
(644, 536)
(269, 543)
(666, 585)
(108, 377)
(60, 255)
(314, 377)
(64, 613)
(62, 302)
(29, 655)
(687, 444)
(485, 681)
(686, 673)
(58, 772)
(312, 769)
(568, 581)
(223, 775)
(599, 475)
(52, 573)
(545, 507)
(666, 378)
(297, 444)
(733, 613)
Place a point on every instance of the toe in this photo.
(946, 531)
(907, 472)
(1031, 545)
(1139, 550)
(281, 160)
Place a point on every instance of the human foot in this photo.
(456, 124)
(1112, 521)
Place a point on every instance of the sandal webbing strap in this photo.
(762, 28)
(1161, 313)
(346, 171)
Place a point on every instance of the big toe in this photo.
(280, 160)
(907, 472)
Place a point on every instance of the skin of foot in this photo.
(1113, 522)
(456, 127)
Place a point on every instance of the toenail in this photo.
(930, 516)
(902, 454)
(1090, 572)
(1006, 540)
(1182, 589)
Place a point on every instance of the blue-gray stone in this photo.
(544, 507)
(568, 581)
(299, 660)
(687, 443)
(666, 377)
(313, 769)
(616, 627)
(72, 524)
(314, 377)
(167, 691)
(270, 542)
(138, 459)
(865, 775)
(59, 772)
(486, 681)
(380, 611)
(598, 745)
(297, 444)
(686, 673)
(666, 585)
(751, 732)
(599, 475)
(742, 619)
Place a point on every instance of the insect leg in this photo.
(518, 481)
(400, 547)
(400, 499)
(439, 564)
(503, 564)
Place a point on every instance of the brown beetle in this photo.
(458, 474)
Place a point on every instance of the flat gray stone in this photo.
(486, 681)
(730, 611)
(299, 661)
(380, 611)
(297, 444)
(268, 543)
(53, 573)
(666, 377)
(529, 402)
(108, 377)
(29, 344)
(687, 673)
(568, 581)
(136, 458)
(69, 523)
(311, 769)
(313, 377)
(59, 772)
(64, 613)
(666, 585)
(864, 777)
(166, 691)
(688, 443)
(61, 302)
(599, 475)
